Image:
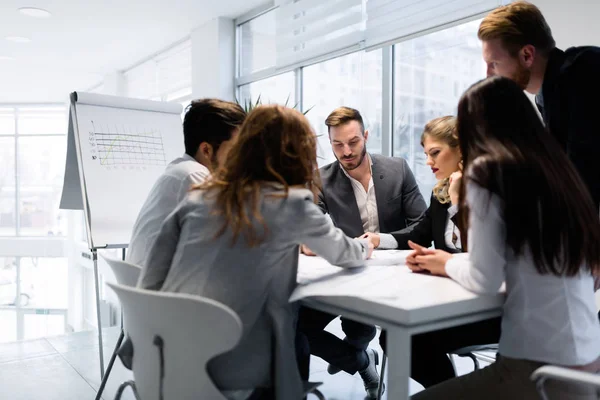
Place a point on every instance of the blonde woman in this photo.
(430, 364)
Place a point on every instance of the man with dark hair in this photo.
(518, 44)
(209, 129)
(362, 193)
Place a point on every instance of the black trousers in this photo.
(348, 355)
(430, 364)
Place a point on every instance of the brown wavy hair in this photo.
(442, 129)
(276, 146)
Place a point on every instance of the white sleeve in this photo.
(387, 241)
(483, 270)
(452, 210)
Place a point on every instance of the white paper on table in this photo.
(388, 257)
(377, 279)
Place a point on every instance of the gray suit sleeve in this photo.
(413, 203)
(316, 231)
(161, 254)
(321, 202)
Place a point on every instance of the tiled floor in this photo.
(68, 368)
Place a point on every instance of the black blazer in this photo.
(399, 201)
(431, 228)
(569, 103)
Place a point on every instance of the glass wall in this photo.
(426, 76)
(33, 287)
(430, 74)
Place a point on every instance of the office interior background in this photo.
(185, 49)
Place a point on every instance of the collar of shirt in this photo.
(187, 157)
(366, 201)
(370, 170)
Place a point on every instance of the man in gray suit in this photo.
(361, 193)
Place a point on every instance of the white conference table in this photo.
(401, 302)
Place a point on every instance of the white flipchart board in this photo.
(117, 148)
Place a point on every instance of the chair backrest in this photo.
(127, 274)
(183, 331)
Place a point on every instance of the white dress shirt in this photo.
(168, 191)
(367, 206)
(452, 229)
(547, 318)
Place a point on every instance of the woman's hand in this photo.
(423, 259)
(306, 251)
(454, 187)
(411, 259)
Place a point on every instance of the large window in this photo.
(33, 289)
(277, 89)
(421, 79)
(354, 80)
(430, 74)
(256, 46)
(38, 134)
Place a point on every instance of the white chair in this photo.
(126, 274)
(174, 335)
(542, 374)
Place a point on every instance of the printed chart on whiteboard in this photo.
(126, 147)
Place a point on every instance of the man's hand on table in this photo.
(373, 237)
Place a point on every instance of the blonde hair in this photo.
(442, 129)
(516, 25)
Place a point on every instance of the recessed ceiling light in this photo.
(6, 58)
(18, 39)
(35, 12)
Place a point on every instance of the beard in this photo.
(522, 76)
(350, 167)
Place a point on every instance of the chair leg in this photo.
(318, 393)
(110, 365)
(124, 386)
(475, 361)
(381, 377)
(540, 388)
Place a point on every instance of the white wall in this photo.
(213, 59)
(573, 22)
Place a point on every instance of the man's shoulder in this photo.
(581, 59)
(186, 168)
(329, 171)
(393, 162)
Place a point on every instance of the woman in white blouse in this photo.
(532, 224)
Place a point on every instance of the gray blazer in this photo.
(399, 201)
(255, 282)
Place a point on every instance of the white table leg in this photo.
(398, 352)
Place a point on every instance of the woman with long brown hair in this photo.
(533, 225)
(235, 239)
